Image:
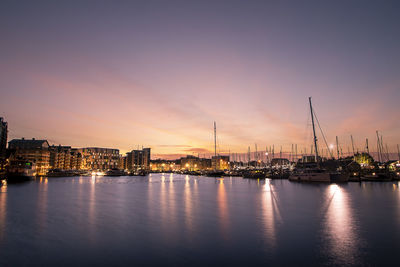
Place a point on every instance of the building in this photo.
(33, 150)
(192, 163)
(60, 157)
(97, 158)
(138, 159)
(220, 162)
(76, 159)
(3, 143)
(161, 165)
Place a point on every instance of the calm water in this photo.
(180, 220)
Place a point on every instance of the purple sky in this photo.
(158, 73)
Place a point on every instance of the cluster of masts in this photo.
(382, 151)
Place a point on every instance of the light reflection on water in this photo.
(340, 227)
(223, 212)
(270, 212)
(188, 199)
(3, 208)
(169, 219)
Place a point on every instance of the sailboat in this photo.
(215, 172)
(314, 172)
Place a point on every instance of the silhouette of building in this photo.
(3, 143)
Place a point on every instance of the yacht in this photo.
(316, 173)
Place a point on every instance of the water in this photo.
(178, 220)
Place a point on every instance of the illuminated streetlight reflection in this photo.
(270, 213)
(340, 227)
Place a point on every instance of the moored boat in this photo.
(20, 170)
(316, 173)
(115, 172)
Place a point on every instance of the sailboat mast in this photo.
(215, 139)
(313, 126)
(378, 146)
(398, 151)
(337, 147)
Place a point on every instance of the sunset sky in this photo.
(158, 73)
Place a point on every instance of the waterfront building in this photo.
(60, 157)
(76, 159)
(161, 165)
(220, 162)
(138, 159)
(31, 150)
(3, 143)
(122, 162)
(97, 158)
(192, 163)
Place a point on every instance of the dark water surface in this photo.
(178, 220)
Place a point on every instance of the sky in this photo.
(127, 74)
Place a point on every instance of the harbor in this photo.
(25, 159)
(174, 218)
(199, 133)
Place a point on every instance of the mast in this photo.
(398, 151)
(273, 151)
(215, 139)
(256, 155)
(248, 156)
(378, 146)
(337, 147)
(366, 144)
(313, 127)
(352, 143)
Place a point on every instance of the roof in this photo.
(28, 144)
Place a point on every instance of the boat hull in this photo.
(319, 177)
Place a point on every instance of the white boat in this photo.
(317, 175)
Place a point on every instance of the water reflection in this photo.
(340, 226)
(223, 213)
(42, 204)
(171, 201)
(270, 212)
(163, 202)
(3, 208)
(92, 208)
(188, 206)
